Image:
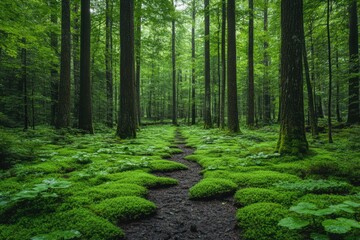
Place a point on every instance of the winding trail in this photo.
(178, 217)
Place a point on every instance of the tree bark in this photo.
(330, 72)
(127, 116)
(338, 112)
(251, 90)
(292, 139)
(138, 61)
(233, 119)
(108, 65)
(266, 83)
(85, 105)
(193, 74)
(223, 64)
(207, 102)
(353, 109)
(76, 61)
(64, 105)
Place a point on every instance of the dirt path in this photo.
(178, 217)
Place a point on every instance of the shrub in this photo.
(212, 188)
(249, 196)
(124, 208)
(259, 222)
(316, 186)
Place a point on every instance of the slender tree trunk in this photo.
(223, 64)
(233, 119)
(313, 120)
(76, 61)
(85, 105)
(64, 105)
(218, 69)
(207, 103)
(193, 56)
(138, 61)
(108, 65)
(266, 86)
(292, 139)
(33, 103)
(25, 85)
(54, 68)
(251, 90)
(338, 112)
(174, 83)
(353, 109)
(127, 116)
(330, 71)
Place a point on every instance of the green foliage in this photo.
(212, 188)
(249, 196)
(124, 208)
(58, 235)
(164, 165)
(259, 222)
(316, 186)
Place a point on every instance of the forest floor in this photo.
(177, 216)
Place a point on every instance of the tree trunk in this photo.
(207, 103)
(76, 61)
(108, 65)
(223, 64)
(292, 139)
(338, 112)
(233, 119)
(138, 61)
(85, 105)
(174, 83)
(127, 116)
(251, 90)
(330, 71)
(193, 56)
(54, 68)
(64, 106)
(354, 110)
(266, 83)
(25, 85)
(218, 69)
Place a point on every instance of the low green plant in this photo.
(309, 215)
(316, 186)
(249, 196)
(164, 165)
(58, 235)
(212, 188)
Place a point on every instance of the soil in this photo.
(178, 217)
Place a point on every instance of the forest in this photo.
(179, 119)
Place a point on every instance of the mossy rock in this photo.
(212, 188)
(166, 166)
(259, 221)
(249, 196)
(124, 208)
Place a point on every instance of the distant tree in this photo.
(292, 139)
(76, 59)
(54, 73)
(193, 56)
(64, 106)
(223, 64)
(109, 64)
(207, 102)
(233, 118)
(25, 84)
(330, 71)
(127, 106)
(85, 106)
(354, 110)
(266, 84)
(138, 36)
(173, 55)
(251, 90)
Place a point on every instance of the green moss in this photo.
(212, 187)
(249, 196)
(165, 166)
(259, 221)
(324, 200)
(124, 208)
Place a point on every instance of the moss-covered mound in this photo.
(166, 166)
(249, 196)
(259, 221)
(124, 208)
(212, 188)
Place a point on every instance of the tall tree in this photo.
(193, 57)
(127, 114)
(76, 59)
(354, 110)
(64, 106)
(25, 85)
(266, 83)
(109, 64)
(292, 139)
(233, 118)
(207, 102)
(330, 71)
(85, 106)
(138, 59)
(223, 64)
(54, 68)
(173, 54)
(251, 90)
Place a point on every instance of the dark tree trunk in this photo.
(266, 83)
(138, 61)
(292, 139)
(54, 68)
(64, 106)
(338, 112)
(330, 72)
(76, 62)
(251, 90)
(25, 85)
(233, 119)
(312, 118)
(207, 102)
(127, 116)
(218, 102)
(174, 84)
(193, 56)
(108, 65)
(354, 110)
(85, 105)
(223, 64)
